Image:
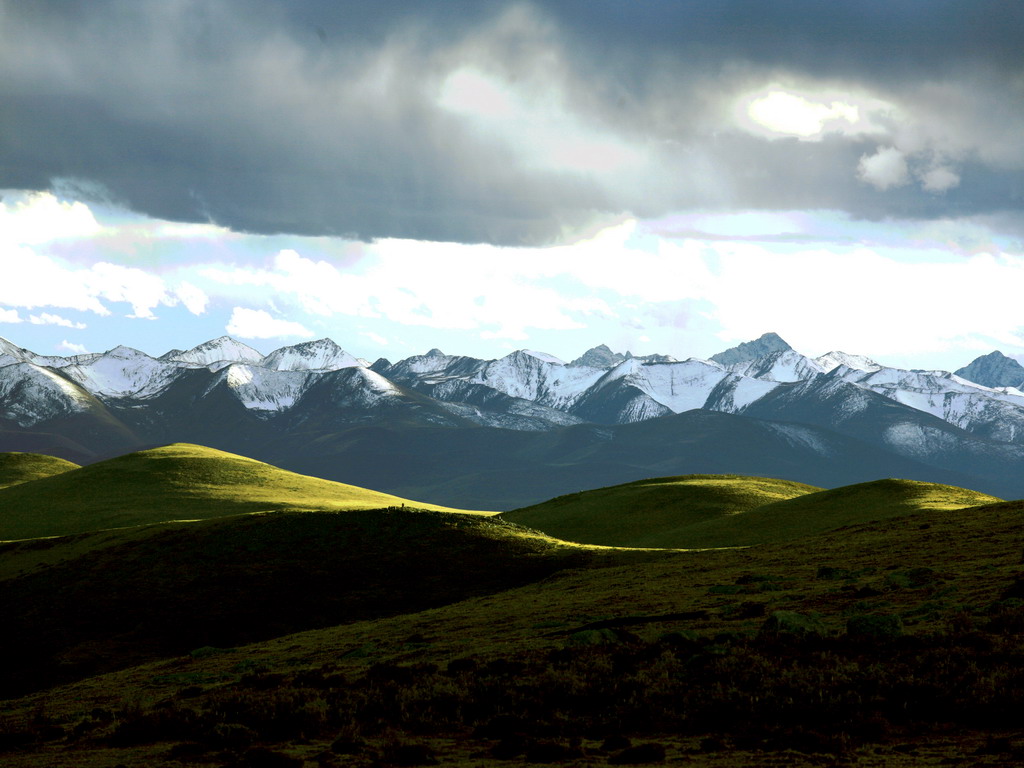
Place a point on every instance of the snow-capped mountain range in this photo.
(600, 386)
(223, 390)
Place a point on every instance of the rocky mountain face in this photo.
(752, 350)
(493, 417)
(994, 370)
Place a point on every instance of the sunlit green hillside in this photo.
(18, 468)
(175, 482)
(827, 510)
(729, 510)
(653, 513)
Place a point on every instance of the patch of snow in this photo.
(544, 357)
(832, 360)
(677, 386)
(263, 389)
(322, 355)
(216, 350)
(784, 366)
(801, 436)
(30, 394)
(525, 376)
(124, 372)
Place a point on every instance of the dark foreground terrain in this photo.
(406, 638)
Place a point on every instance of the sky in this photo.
(483, 175)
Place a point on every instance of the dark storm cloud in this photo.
(330, 117)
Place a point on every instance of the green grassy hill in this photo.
(827, 510)
(175, 482)
(923, 611)
(125, 596)
(653, 513)
(726, 510)
(16, 468)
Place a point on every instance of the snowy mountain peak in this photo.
(600, 356)
(994, 370)
(831, 360)
(217, 350)
(785, 365)
(751, 350)
(122, 352)
(12, 353)
(544, 357)
(320, 355)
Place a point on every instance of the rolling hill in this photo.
(659, 512)
(174, 482)
(740, 657)
(17, 468)
(726, 510)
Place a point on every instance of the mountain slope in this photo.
(487, 468)
(320, 355)
(751, 350)
(222, 349)
(175, 482)
(994, 370)
(830, 402)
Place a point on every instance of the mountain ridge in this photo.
(224, 394)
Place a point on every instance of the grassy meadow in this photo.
(874, 625)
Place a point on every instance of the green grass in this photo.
(175, 482)
(827, 510)
(684, 665)
(654, 513)
(16, 468)
(125, 596)
(726, 510)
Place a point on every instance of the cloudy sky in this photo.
(486, 176)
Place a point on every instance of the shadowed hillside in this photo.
(175, 482)
(77, 605)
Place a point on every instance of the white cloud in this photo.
(194, 299)
(10, 316)
(46, 318)
(864, 301)
(810, 111)
(259, 324)
(70, 346)
(376, 338)
(39, 217)
(438, 285)
(939, 179)
(790, 114)
(885, 169)
(32, 279)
